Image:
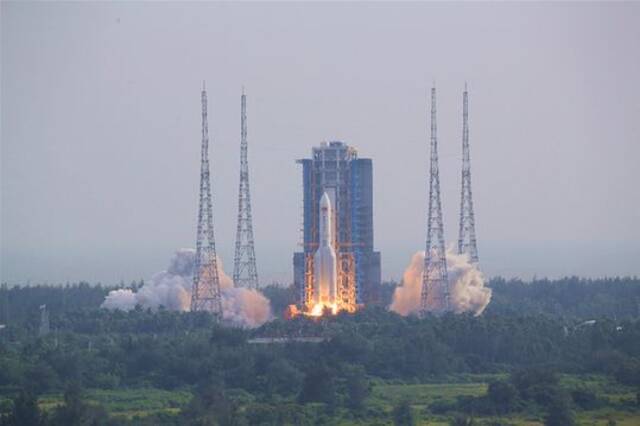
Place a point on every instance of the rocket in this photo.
(324, 260)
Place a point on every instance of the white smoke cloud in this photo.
(245, 307)
(123, 298)
(466, 286)
(172, 289)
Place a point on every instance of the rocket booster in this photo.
(324, 260)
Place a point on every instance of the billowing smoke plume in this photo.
(466, 286)
(172, 289)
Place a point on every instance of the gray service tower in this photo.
(336, 170)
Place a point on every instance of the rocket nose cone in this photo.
(324, 201)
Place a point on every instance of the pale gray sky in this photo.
(101, 129)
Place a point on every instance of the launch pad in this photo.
(345, 299)
(335, 171)
(329, 285)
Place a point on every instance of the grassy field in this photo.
(129, 403)
(420, 396)
(617, 400)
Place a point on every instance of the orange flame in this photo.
(318, 309)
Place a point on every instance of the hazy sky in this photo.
(101, 129)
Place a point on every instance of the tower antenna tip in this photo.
(204, 85)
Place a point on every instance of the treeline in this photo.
(570, 297)
(21, 304)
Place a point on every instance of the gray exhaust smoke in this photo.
(466, 286)
(172, 289)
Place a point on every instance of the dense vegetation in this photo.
(523, 360)
(569, 297)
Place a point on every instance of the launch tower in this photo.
(245, 273)
(205, 294)
(467, 232)
(336, 170)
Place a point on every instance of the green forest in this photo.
(545, 352)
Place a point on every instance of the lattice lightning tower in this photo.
(205, 295)
(467, 232)
(435, 285)
(245, 273)
(44, 321)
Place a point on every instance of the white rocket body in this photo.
(325, 273)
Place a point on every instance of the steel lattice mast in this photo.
(435, 285)
(245, 273)
(467, 232)
(205, 295)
